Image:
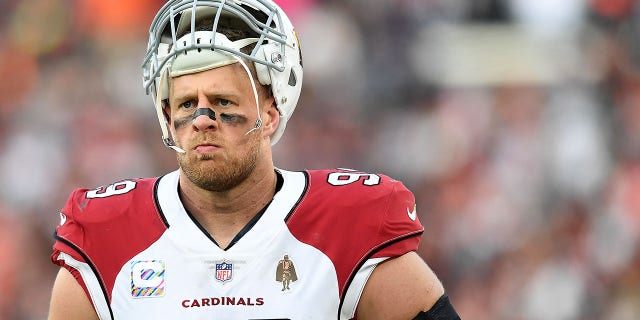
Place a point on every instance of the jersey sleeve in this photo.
(353, 217)
(68, 248)
(100, 229)
(400, 229)
(69, 234)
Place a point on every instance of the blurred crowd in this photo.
(516, 123)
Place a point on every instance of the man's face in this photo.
(219, 154)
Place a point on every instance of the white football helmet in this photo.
(177, 46)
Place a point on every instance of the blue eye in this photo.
(187, 104)
(224, 102)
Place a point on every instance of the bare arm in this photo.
(68, 300)
(399, 288)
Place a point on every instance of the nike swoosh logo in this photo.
(412, 215)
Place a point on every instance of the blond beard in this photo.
(212, 175)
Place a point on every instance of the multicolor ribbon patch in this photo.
(147, 278)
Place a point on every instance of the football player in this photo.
(204, 241)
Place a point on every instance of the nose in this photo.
(203, 118)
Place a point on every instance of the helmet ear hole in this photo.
(293, 80)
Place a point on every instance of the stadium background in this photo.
(515, 122)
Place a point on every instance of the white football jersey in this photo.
(140, 255)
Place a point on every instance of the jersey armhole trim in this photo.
(90, 276)
(366, 258)
(302, 195)
(157, 202)
(354, 292)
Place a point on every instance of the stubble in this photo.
(217, 173)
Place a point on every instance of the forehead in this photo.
(228, 79)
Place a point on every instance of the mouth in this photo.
(203, 148)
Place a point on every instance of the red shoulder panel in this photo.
(352, 216)
(107, 226)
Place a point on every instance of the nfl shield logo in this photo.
(224, 271)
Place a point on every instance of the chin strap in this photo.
(258, 123)
(164, 126)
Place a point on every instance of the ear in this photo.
(271, 119)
